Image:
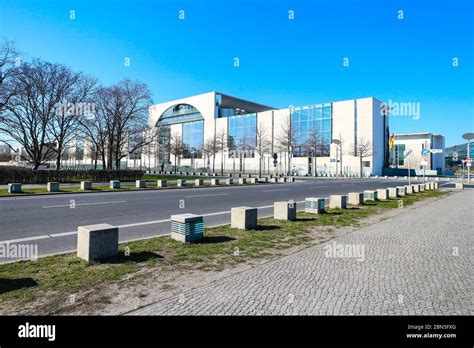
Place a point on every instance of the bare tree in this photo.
(28, 114)
(209, 150)
(312, 145)
(364, 149)
(8, 69)
(286, 139)
(176, 148)
(221, 142)
(263, 145)
(76, 91)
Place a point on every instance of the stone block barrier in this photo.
(244, 218)
(14, 188)
(52, 187)
(355, 198)
(181, 183)
(199, 182)
(338, 201)
(140, 184)
(162, 183)
(86, 185)
(96, 242)
(284, 210)
(370, 195)
(187, 228)
(392, 192)
(114, 184)
(314, 205)
(214, 182)
(382, 193)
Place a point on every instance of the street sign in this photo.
(425, 152)
(436, 150)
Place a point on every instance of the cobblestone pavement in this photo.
(417, 263)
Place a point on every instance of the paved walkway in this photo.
(417, 263)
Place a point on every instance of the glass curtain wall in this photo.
(312, 129)
(193, 139)
(242, 135)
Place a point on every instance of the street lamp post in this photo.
(468, 137)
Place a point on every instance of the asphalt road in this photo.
(51, 221)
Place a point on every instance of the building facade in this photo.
(427, 149)
(219, 132)
(454, 155)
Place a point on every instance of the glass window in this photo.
(193, 139)
(242, 135)
(312, 130)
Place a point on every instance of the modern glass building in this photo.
(221, 132)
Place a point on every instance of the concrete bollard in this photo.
(273, 180)
(244, 218)
(97, 241)
(53, 186)
(181, 183)
(459, 186)
(392, 192)
(263, 180)
(291, 179)
(199, 182)
(161, 183)
(355, 198)
(401, 191)
(415, 188)
(338, 201)
(370, 195)
(405, 177)
(409, 189)
(187, 228)
(14, 188)
(427, 186)
(114, 184)
(284, 210)
(86, 185)
(421, 187)
(242, 181)
(436, 185)
(282, 179)
(214, 182)
(140, 184)
(382, 193)
(229, 181)
(253, 180)
(314, 205)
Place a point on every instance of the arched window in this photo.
(179, 113)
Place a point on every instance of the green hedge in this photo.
(26, 176)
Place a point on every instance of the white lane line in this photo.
(276, 190)
(94, 203)
(210, 195)
(319, 186)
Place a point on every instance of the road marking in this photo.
(319, 186)
(216, 194)
(94, 203)
(276, 190)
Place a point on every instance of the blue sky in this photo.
(282, 62)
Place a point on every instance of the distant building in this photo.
(418, 142)
(457, 153)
